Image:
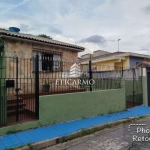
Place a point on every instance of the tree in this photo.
(44, 36)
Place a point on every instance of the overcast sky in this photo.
(93, 24)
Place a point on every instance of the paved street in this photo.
(115, 138)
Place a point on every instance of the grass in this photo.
(54, 122)
(108, 125)
(81, 134)
(85, 132)
(110, 112)
(142, 117)
(29, 147)
(14, 148)
(83, 117)
(11, 131)
(100, 114)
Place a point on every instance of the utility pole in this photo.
(118, 44)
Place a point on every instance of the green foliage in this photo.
(88, 131)
(108, 125)
(44, 36)
(11, 131)
(83, 133)
(83, 117)
(111, 112)
(30, 147)
(54, 122)
(141, 117)
(101, 114)
(15, 148)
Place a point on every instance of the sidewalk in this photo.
(62, 129)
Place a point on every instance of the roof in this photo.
(101, 56)
(101, 51)
(37, 38)
(114, 55)
(143, 64)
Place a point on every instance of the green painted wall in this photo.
(3, 102)
(138, 95)
(73, 106)
(144, 86)
(103, 84)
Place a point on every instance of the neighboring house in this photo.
(143, 64)
(25, 46)
(102, 60)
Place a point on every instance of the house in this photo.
(55, 58)
(102, 60)
(143, 64)
(29, 67)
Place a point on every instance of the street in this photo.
(128, 136)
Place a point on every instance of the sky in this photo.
(93, 24)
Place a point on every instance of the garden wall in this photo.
(73, 106)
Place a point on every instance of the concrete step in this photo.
(13, 100)
(14, 106)
(14, 113)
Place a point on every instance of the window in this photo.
(48, 62)
(56, 62)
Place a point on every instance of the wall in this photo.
(113, 64)
(144, 87)
(105, 65)
(3, 103)
(108, 83)
(138, 88)
(67, 107)
(24, 50)
(133, 61)
(126, 63)
(148, 86)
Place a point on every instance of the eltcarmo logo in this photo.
(75, 82)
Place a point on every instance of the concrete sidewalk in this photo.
(67, 128)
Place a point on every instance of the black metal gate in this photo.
(19, 91)
(133, 91)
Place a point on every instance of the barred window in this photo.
(48, 62)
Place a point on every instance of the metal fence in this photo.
(23, 80)
(64, 77)
(109, 77)
(134, 92)
(18, 100)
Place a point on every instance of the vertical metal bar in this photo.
(122, 68)
(37, 85)
(17, 109)
(90, 72)
(133, 87)
(1, 97)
